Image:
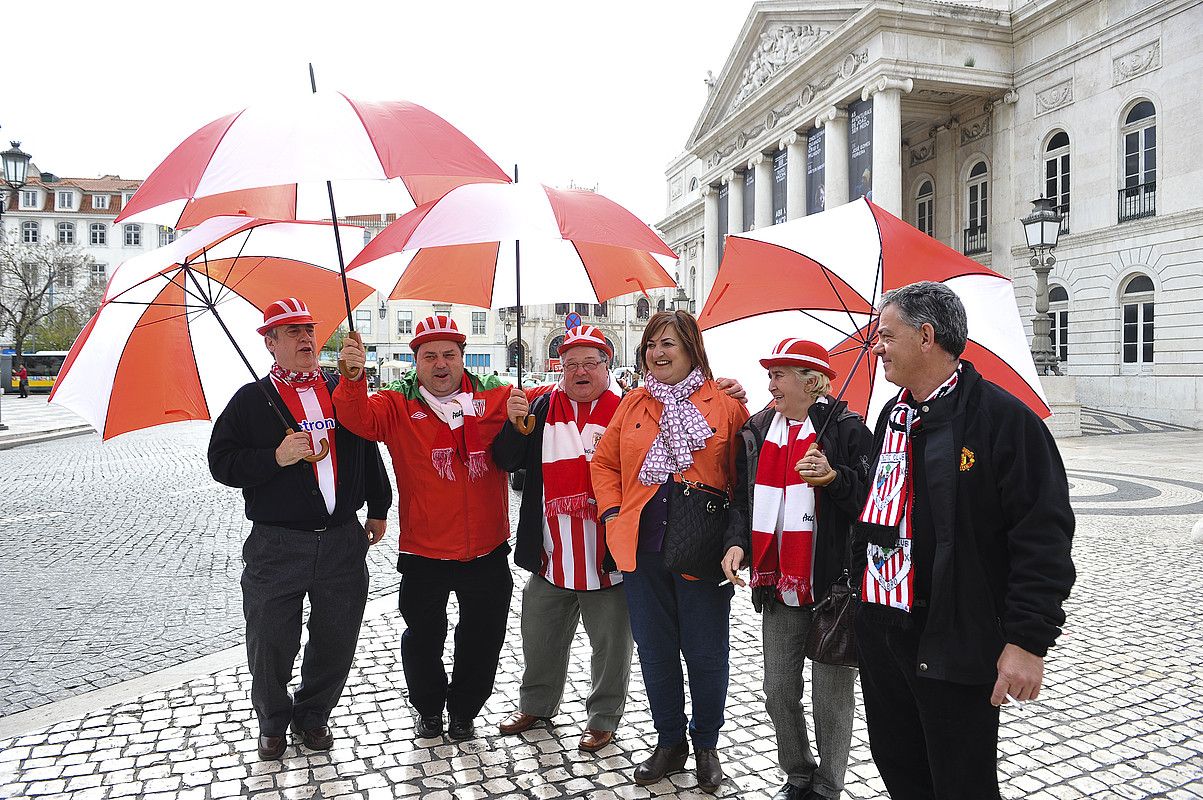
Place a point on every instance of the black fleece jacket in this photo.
(1001, 528)
(242, 454)
(848, 445)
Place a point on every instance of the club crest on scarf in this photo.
(890, 478)
(889, 567)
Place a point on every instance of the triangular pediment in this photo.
(775, 37)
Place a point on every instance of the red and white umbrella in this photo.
(273, 160)
(576, 246)
(175, 337)
(822, 277)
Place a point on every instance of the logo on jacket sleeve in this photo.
(967, 459)
(419, 415)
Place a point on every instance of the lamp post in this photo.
(16, 170)
(1041, 229)
(681, 301)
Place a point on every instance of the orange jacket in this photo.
(453, 520)
(625, 444)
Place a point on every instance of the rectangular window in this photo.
(924, 220)
(780, 168)
(98, 274)
(64, 200)
(581, 308)
(477, 360)
(166, 235)
(100, 202)
(29, 198)
(98, 233)
(66, 233)
(363, 320)
(562, 309)
(1138, 333)
(64, 278)
(407, 358)
(133, 235)
(478, 323)
(405, 323)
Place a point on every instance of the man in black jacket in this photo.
(306, 537)
(965, 548)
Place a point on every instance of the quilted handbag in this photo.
(697, 523)
(831, 639)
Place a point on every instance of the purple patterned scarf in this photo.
(683, 429)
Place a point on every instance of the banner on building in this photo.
(779, 168)
(815, 190)
(722, 220)
(749, 211)
(860, 149)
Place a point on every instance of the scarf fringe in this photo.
(441, 458)
(478, 466)
(760, 579)
(576, 505)
(792, 583)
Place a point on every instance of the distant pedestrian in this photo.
(965, 548)
(306, 538)
(23, 381)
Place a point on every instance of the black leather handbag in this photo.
(831, 639)
(697, 523)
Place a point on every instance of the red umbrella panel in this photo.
(273, 160)
(821, 277)
(576, 246)
(169, 339)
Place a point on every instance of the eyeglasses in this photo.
(588, 366)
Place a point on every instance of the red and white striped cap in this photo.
(440, 327)
(800, 353)
(289, 311)
(586, 336)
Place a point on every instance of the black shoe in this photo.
(791, 792)
(662, 761)
(709, 773)
(430, 727)
(318, 738)
(271, 748)
(461, 729)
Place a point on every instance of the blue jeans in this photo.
(671, 617)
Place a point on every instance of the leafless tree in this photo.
(45, 289)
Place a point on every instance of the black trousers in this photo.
(483, 587)
(931, 740)
(281, 567)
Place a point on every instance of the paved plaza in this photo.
(124, 675)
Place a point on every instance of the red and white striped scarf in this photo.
(459, 435)
(570, 436)
(783, 514)
(310, 405)
(889, 574)
(292, 376)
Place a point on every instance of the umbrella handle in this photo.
(524, 424)
(343, 369)
(316, 457)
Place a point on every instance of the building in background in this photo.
(954, 116)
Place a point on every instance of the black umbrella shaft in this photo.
(518, 293)
(338, 244)
(864, 351)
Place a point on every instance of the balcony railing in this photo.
(1138, 201)
(976, 241)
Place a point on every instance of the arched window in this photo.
(511, 355)
(66, 233)
(924, 205)
(1056, 175)
(602, 311)
(1138, 320)
(30, 232)
(978, 209)
(643, 309)
(1058, 312)
(553, 349)
(1138, 198)
(660, 304)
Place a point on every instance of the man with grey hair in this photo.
(965, 541)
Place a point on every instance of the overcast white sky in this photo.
(598, 93)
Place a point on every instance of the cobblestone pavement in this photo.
(1121, 715)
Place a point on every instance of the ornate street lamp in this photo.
(1041, 229)
(681, 301)
(16, 170)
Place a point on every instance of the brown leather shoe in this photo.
(662, 761)
(709, 772)
(518, 722)
(593, 740)
(318, 738)
(271, 748)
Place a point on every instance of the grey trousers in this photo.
(784, 639)
(549, 621)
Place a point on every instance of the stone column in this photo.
(709, 240)
(735, 202)
(1002, 224)
(794, 145)
(835, 155)
(887, 140)
(763, 215)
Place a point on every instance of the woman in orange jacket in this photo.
(678, 425)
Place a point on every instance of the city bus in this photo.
(43, 368)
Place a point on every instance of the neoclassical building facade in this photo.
(954, 116)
